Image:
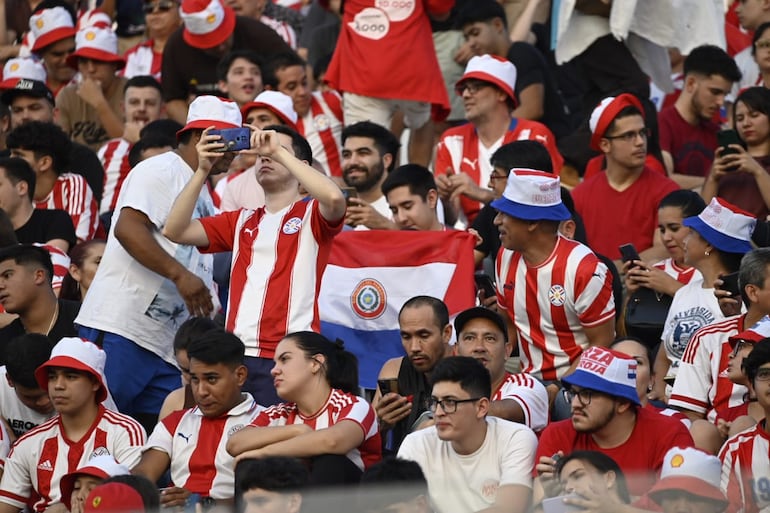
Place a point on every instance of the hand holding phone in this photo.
(388, 386)
(628, 253)
(485, 283)
(730, 284)
(557, 504)
(725, 138)
(234, 139)
(349, 192)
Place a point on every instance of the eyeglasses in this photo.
(162, 5)
(473, 86)
(762, 375)
(763, 44)
(584, 395)
(740, 345)
(631, 135)
(448, 405)
(494, 177)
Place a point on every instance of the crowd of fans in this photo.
(174, 173)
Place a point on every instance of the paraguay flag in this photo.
(371, 274)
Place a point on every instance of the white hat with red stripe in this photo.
(491, 68)
(760, 331)
(690, 470)
(94, 18)
(20, 68)
(606, 112)
(606, 370)
(100, 467)
(724, 226)
(206, 111)
(207, 23)
(532, 195)
(49, 26)
(79, 354)
(276, 102)
(98, 44)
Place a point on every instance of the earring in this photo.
(649, 388)
(707, 252)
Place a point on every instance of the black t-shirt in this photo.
(189, 70)
(63, 327)
(531, 68)
(485, 225)
(84, 162)
(45, 225)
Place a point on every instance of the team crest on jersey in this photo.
(321, 122)
(292, 226)
(99, 451)
(557, 295)
(234, 429)
(369, 299)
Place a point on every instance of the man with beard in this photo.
(368, 150)
(425, 333)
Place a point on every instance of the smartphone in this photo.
(234, 139)
(557, 504)
(349, 192)
(725, 138)
(730, 284)
(628, 252)
(485, 283)
(388, 386)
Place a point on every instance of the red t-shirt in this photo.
(640, 457)
(613, 218)
(692, 147)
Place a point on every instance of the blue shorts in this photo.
(138, 379)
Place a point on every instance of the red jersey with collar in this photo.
(322, 127)
(114, 158)
(72, 194)
(746, 470)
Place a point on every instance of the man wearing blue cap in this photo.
(555, 290)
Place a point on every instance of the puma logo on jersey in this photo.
(470, 162)
(186, 437)
(46, 465)
(250, 231)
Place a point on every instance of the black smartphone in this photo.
(485, 283)
(388, 386)
(349, 192)
(725, 138)
(730, 284)
(234, 139)
(628, 252)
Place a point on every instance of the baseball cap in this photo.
(49, 26)
(690, 470)
(276, 102)
(207, 23)
(494, 69)
(724, 226)
(22, 67)
(101, 467)
(479, 312)
(26, 87)
(606, 112)
(606, 370)
(96, 43)
(114, 497)
(206, 111)
(760, 331)
(79, 354)
(532, 195)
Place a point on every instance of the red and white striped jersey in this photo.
(322, 127)
(40, 458)
(529, 394)
(340, 406)
(283, 29)
(142, 60)
(680, 274)
(704, 386)
(72, 194)
(61, 264)
(551, 303)
(114, 158)
(277, 265)
(746, 471)
(196, 446)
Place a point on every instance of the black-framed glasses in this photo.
(162, 6)
(631, 135)
(448, 405)
(473, 86)
(740, 345)
(584, 395)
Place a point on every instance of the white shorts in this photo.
(380, 110)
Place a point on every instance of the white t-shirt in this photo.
(19, 417)
(461, 483)
(125, 297)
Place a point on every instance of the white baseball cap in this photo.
(532, 195)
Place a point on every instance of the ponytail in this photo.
(341, 368)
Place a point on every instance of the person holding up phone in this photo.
(741, 170)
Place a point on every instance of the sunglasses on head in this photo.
(162, 5)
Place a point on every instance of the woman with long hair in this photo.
(595, 478)
(322, 419)
(84, 261)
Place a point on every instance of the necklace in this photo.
(53, 319)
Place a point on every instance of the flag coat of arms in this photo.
(371, 274)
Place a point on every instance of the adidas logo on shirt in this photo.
(46, 465)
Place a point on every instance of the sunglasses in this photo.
(162, 6)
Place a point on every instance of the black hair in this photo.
(153, 140)
(756, 99)
(70, 289)
(24, 354)
(467, 372)
(440, 310)
(279, 474)
(276, 63)
(527, 154)
(193, 329)
(18, 170)
(146, 489)
(580, 229)
(603, 464)
(690, 202)
(299, 144)
(43, 139)
(757, 34)
(341, 366)
(320, 66)
(143, 81)
(418, 178)
(647, 349)
(162, 127)
(50, 4)
(391, 481)
(758, 357)
(7, 233)
(625, 112)
(730, 261)
(224, 64)
(29, 255)
(384, 140)
(480, 11)
(217, 346)
(708, 60)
